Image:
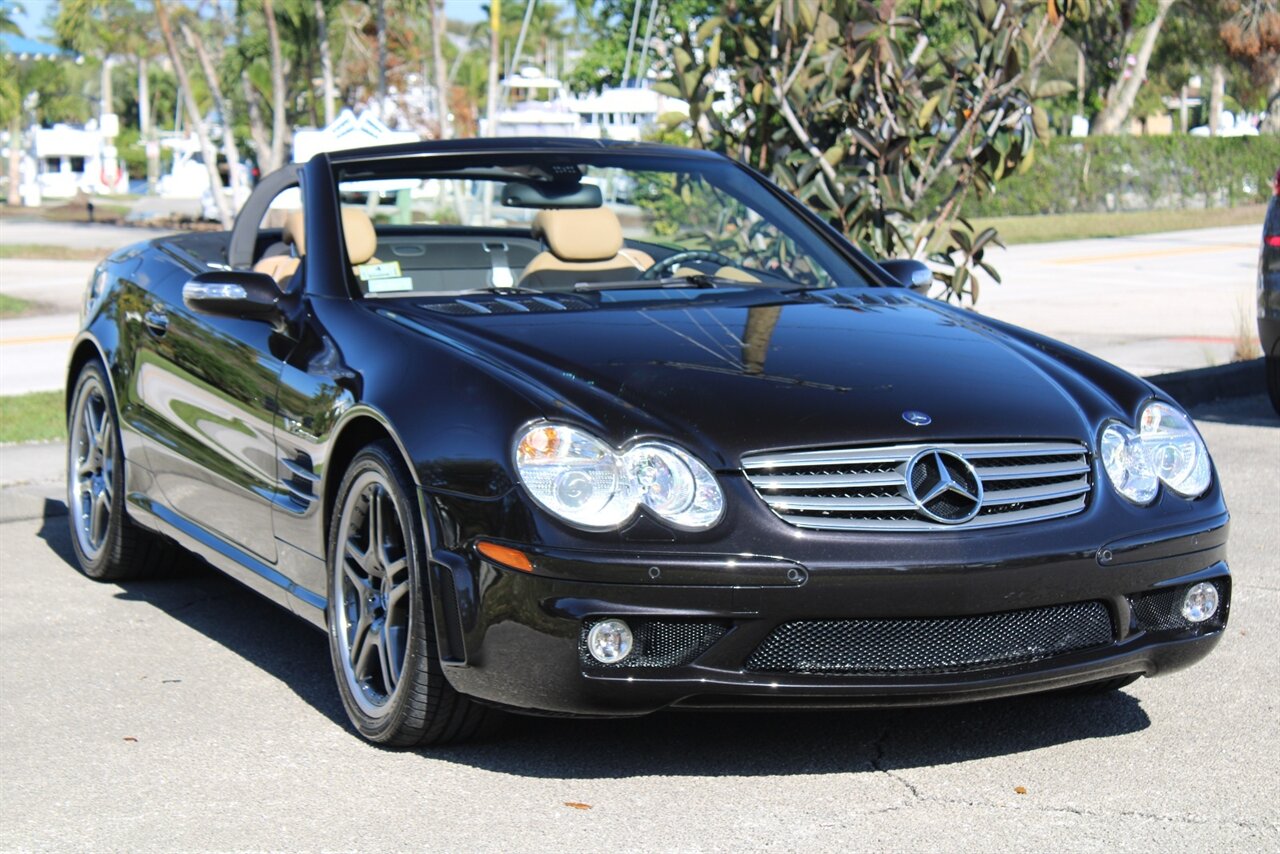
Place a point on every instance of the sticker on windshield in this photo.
(389, 270)
(382, 286)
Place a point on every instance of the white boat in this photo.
(626, 113)
(532, 104)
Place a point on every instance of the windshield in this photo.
(555, 222)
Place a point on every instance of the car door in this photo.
(208, 387)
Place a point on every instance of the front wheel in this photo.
(108, 545)
(381, 633)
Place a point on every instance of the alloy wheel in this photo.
(90, 476)
(372, 586)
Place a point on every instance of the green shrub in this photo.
(1136, 173)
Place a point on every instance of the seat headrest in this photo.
(295, 232)
(361, 239)
(579, 234)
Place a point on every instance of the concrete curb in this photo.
(1192, 388)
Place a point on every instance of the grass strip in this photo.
(37, 416)
(1079, 226)
(51, 252)
(13, 306)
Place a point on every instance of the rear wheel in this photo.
(108, 546)
(381, 633)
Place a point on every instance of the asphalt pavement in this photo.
(190, 714)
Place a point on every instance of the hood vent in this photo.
(858, 300)
(472, 306)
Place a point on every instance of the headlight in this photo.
(1165, 448)
(585, 482)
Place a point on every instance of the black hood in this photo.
(758, 369)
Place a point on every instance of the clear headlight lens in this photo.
(1177, 454)
(582, 480)
(1165, 448)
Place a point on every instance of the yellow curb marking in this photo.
(1150, 253)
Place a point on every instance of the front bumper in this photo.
(515, 638)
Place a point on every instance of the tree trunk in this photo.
(1217, 89)
(278, 124)
(108, 97)
(14, 197)
(1112, 118)
(146, 130)
(193, 110)
(326, 61)
(229, 151)
(381, 25)
(438, 23)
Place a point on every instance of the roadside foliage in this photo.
(876, 125)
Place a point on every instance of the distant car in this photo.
(578, 458)
(1269, 293)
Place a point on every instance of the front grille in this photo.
(933, 645)
(658, 643)
(870, 489)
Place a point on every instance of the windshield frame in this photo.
(791, 218)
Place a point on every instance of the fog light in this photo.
(1200, 603)
(610, 641)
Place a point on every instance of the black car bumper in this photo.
(779, 634)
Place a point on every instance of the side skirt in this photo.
(243, 567)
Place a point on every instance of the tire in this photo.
(379, 612)
(108, 545)
(1273, 381)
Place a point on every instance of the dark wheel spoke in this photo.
(389, 658)
(371, 574)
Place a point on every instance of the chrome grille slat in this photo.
(990, 473)
(865, 489)
(827, 481)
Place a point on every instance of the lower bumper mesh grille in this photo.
(658, 643)
(933, 645)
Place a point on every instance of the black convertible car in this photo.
(580, 428)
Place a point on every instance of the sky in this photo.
(35, 12)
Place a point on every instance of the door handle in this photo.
(157, 322)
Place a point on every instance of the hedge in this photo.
(1136, 173)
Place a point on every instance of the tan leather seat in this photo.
(361, 239)
(281, 267)
(357, 230)
(583, 244)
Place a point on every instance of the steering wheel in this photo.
(671, 262)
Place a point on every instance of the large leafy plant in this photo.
(881, 116)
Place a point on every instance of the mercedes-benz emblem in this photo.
(943, 486)
(917, 418)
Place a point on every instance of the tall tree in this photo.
(435, 9)
(229, 149)
(1251, 33)
(326, 59)
(852, 108)
(1124, 92)
(193, 113)
(11, 107)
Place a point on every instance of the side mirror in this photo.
(232, 294)
(912, 274)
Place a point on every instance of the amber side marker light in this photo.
(505, 555)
